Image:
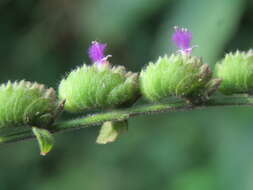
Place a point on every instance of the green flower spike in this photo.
(100, 86)
(236, 72)
(24, 105)
(180, 75)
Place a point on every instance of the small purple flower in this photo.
(97, 53)
(182, 38)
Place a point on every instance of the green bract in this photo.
(27, 104)
(236, 72)
(178, 75)
(103, 86)
(111, 130)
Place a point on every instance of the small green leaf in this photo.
(111, 130)
(45, 140)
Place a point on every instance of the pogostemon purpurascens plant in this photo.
(30, 109)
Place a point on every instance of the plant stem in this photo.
(124, 114)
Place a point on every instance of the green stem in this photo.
(17, 137)
(124, 114)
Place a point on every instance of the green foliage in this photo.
(111, 130)
(177, 75)
(236, 72)
(90, 87)
(45, 140)
(27, 104)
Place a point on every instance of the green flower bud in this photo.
(236, 72)
(98, 87)
(27, 104)
(180, 75)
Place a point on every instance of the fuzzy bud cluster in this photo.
(26, 103)
(93, 87)
(236, 72)
(179, 75)
(98, 86)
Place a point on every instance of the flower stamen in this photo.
(97, 53)
(182, 38)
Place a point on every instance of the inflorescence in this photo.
(102, 86)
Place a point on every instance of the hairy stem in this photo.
(123, 114)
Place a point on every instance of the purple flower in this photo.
(182, 38)
(97, 53)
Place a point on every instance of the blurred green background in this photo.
(41, 40)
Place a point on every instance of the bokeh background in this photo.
(41, 40)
